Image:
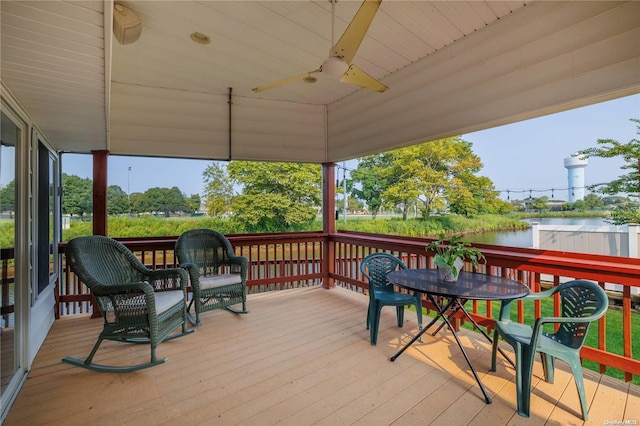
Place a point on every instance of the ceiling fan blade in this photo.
(349, 43)
(284, 81)
(355, 75)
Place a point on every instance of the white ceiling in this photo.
(450, 66)
(254, 43)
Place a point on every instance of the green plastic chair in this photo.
(375, 268)
(138, 305)
(218, 277)
(581, 303)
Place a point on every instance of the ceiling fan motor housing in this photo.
(334, 66)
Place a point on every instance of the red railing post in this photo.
(328, 222)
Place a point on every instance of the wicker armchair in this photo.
(138, 305)
(218, 277)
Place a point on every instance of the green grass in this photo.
(151, 226)
(573, 213)
(432, 226)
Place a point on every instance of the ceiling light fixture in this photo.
(200, 38)
(334, 66)
(309, 79)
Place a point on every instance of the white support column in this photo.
(633, 247)
(535, 232)
(633, 240)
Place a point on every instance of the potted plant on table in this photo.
(450, 256)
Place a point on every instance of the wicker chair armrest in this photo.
(168, 279)
(190, 267)
(192, 270)
(108, 296)
(239, 264)
(132, 287)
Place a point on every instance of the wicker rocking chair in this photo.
(218, 277)
(138, 305)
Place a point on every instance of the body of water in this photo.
(525, 238)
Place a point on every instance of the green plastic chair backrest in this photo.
(375, 267)
(579, 299)
(100, 261)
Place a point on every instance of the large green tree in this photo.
(367, 183)
(275, 196)
(628, 182)
(435, 175)
(117, 200)
(218, 190)
(165, 200)
(77, 195)
(194, 202)
(593, 201)
(403, 178)
(8, 197)
(471, 195)
(540, 204)
(439, 173)
(137, 202)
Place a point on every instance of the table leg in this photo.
(487, 399)
(441, 311)
(451, 314)
(475, 324)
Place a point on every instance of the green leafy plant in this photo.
(448, 252)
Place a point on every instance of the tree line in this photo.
(77, 199)
(590, 202)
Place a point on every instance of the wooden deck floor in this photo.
(301, 357)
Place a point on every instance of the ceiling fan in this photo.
(338, 64)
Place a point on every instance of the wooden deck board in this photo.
(300, 357)
(610, 406)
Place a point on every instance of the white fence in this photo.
(620, 241)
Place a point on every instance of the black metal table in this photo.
(449, 299)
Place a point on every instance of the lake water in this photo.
(525, 238)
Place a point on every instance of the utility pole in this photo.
(344, 186)
(128, 191)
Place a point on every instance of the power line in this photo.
(508, 191)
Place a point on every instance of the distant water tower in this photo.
(575, 167)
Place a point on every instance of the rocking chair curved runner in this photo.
(138, 305)
(218, 277)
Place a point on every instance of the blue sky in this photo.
(529, 155)
(518, 157)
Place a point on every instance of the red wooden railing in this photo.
(277, 261)
(288, 260)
